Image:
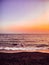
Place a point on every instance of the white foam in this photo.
(23, 48)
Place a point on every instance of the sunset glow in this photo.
(24, 16)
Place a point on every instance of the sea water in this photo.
(24, 42)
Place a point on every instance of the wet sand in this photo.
(17, 51)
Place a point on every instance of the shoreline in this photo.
(19, 51)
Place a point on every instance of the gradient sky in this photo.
(24, 16)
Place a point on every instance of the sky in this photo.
(24, 16)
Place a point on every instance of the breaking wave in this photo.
(23, 48)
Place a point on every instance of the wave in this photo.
(24, 48)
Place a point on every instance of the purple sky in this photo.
(19, 12)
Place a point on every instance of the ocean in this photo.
(24, 42)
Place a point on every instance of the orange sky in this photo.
(38, 28)
(41, 24)
(31, 16)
